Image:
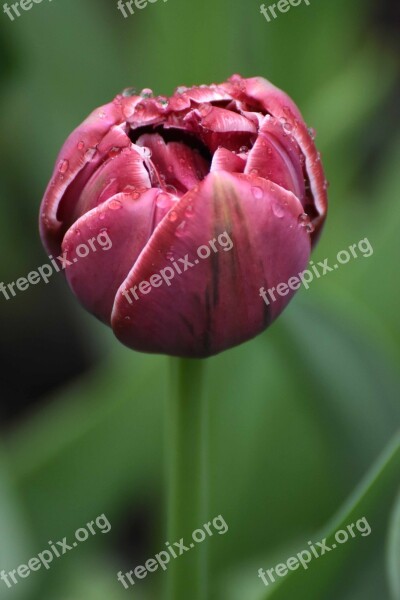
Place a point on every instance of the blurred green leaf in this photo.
(394, 552)
(15, 546)
(368, 499)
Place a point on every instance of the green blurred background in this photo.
(304, 419)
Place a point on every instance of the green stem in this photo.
(188, 479)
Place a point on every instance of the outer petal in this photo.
(128, 221)
(276, 156)
(125, 169)
(214, 304)
(280, 105)
(76, 153)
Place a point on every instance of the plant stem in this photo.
(188, 479)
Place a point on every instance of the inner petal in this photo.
(173, 165)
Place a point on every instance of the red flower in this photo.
(231, 167)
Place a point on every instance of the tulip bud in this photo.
(205, 196)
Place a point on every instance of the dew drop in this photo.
(90, 152)
(163, 101)
(254, 171)
(305, 222)
(172, 216)
(130, 91)
(257, 192)
(63, 166)
(180, 229)
(169, 256)
(243, 149)
(81, 145)
(163, 200)
(102, 216)
(278, 209)
(146, 93)
(171, 189)
(312, 133)
(102, 115)
(181, 89)
(114, 152)
(115, 205)
(145, 152)
(286, 126)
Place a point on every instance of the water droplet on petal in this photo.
(163, 101)
(146, 93)
(171, 189)
(81, 145)
(115, 204)
(243, 149)
(102, 216)
(63, 166)
(114, 152)
(286, 126)
(163, 200)
(254, 172)
(172, 216)
(169, 256)
(102, 114)
(130, 91)
(312, 133)
(145, 152)
(181, 89)
(90, 152)
(180, 229)
(278, 209)
(305, 222)
(257, 192)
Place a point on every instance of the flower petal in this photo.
(75, 154)
(214, 304)
(128, 221)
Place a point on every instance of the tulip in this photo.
(163, 177)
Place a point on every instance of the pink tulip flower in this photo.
(229, 168)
